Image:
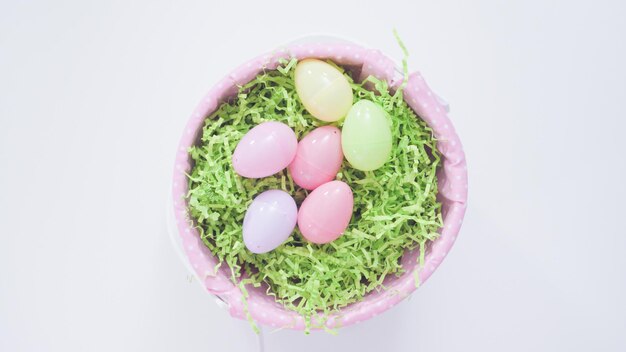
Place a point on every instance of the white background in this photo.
(93, 99)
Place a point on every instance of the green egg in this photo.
(366, 136)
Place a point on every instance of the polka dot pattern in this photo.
(452, 180)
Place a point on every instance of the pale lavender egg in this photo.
(269, 221)
(265, 150)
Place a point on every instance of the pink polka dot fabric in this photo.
(452, 192)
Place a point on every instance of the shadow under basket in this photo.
(452, 178)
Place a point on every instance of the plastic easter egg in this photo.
(269, 221)
(325, 213)
(318, 158)
(323, 90)
(265, 150)
(366, 136)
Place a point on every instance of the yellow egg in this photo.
(323, 90)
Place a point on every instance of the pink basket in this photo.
(452, 187)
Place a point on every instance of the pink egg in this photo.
(265, 150)
(318, 158)
(326, 212)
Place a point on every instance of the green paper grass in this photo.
(395, 206)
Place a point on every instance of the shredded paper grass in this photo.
(395, 206)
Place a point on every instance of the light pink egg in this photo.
(265, 150)
(325, 213)
(318, 158)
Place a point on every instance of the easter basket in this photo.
(256, 302)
